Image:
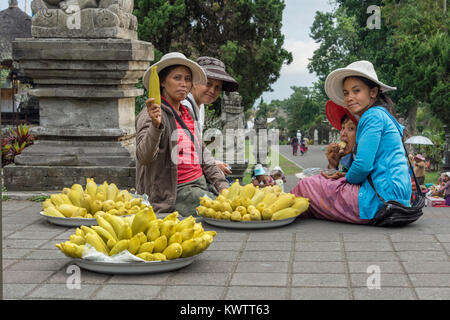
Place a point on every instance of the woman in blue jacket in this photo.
(380, 154)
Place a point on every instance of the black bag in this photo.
(395, 214)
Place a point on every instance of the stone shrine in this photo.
(85, 61)
(234, 134)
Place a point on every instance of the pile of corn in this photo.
(250, 203)
(76, 202)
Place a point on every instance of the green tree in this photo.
(244, 34)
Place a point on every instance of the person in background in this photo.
(217, 80)
(294, 144)
(444, 191)
(278, 176)
(419, 169)
(172, 163)
(260, 177)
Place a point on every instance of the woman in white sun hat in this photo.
(172, 163)
(379, 152)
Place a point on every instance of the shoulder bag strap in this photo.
(184, 126)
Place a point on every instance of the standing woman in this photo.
(172, 163)
(380, 153)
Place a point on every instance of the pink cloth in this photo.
(335, 200)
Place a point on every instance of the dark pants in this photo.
(188, 196)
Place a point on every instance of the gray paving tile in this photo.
(430, 280)
(266, 256)
(417, 246)
(226, 245)
(149, 279)
(218, 255)
(383, 245)
(16, 290)
(34, 235)
(318, 267)
(371, 256)
(385, 266)
(318, 246)
(38, 265)
(22, 244)
(386, 280)
(427, 266)
(26, 276)
(433, 293)
(384, 293)
(313, 237)
(413, 237)
(319, 280)
(319, 294)
(61, 291)
(85, 276)
(259, 279)
(127, 292)
(367, 236)
(255, 293)
(13, 253)
(266, 245)
(318, 256)
(192, 293)
(262, 266)
(215, 279)
(423, 256)
(208, 266)
(443, 237)
(270, 236)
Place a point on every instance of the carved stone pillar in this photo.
(85, 63)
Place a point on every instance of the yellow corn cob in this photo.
(269, 199)
(111, 192)
(173, 251)
(134, 244)
(68, 210)
(160, 244)
(85, 202)
(248, 190)
(147, 247)
(107, 226)
(56, 199)
(234, 190)
(258, 196)
(189, 247)
(103, 233)
(119, 247)
(75, 197)
(91, 187)
(285, 214)
(342, 144)
(53, 212)
(283, 201)
(97, 243)
(301, 204)
(153, 86)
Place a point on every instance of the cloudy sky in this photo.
(298, 17)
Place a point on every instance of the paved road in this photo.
(308, 259)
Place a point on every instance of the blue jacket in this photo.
(380, 152)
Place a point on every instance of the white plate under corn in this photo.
(261, 224)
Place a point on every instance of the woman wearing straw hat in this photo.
(419, 168)
(380, 153)
(217, 80)
(172, 162)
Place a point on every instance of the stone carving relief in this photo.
(83, 18)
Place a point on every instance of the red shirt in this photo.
(188, 164)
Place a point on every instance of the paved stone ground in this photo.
(308, 259)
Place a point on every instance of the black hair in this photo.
(381, 99)
(344, 117)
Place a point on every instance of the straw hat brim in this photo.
(198, 74)
(334, 85)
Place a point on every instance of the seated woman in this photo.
(380, 155)
(261, 178)
(340, 156)
(172, 164)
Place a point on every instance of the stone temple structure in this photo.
(85, 60)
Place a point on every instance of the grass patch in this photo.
(38, 198)
(431, 176)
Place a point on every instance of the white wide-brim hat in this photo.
(334, 84)
(175, 58)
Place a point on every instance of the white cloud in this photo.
(301, 52)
